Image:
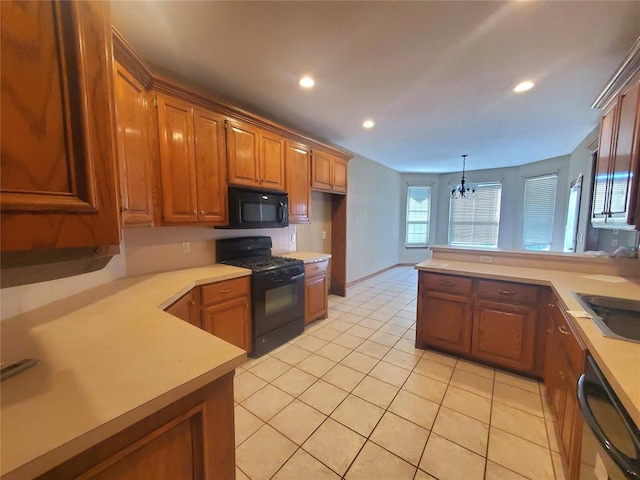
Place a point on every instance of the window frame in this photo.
(550, 224)
(408, 222)
(478, 186)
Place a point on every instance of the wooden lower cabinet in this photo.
(446, 322)
(485, 320)
(187, 308)
(566, 360)
(504, 334)
(315, 291)
(226, 311)
(192, 438)
(229, 321)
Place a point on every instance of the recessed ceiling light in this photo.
(368, 124)
(307, 82)
(523, 86)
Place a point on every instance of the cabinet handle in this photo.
(201, 212)
(192, 302)
(561, 374)
(316, 268)
(549, 330)
(124, 210)
(506, 292)
(446, 283)
(552, 305)
(563, 330)
(225, 291)
(195, 212)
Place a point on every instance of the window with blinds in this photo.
(417, 219)
(474, 222)
(539, 207)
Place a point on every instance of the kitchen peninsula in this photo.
(505, 308)
(116, 372)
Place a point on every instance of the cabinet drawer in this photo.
(573, 346)
(317, 268)
(447, 283)
(507, 292)
(220, 291)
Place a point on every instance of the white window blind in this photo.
(539, 207)
(474, 222)
(418, 212)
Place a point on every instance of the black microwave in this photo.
(253, 208)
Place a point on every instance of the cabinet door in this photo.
(339, 175)
(297, 165)
(444, 321)
(242, 154)
(134, 149)
(315, 289)
(601, 180)
(58, 182)
(185, 308)
(229, 321)
(271, 161)
(320, 170)
(624, 162)
(211, 177)
(504, 334)
(177, 161)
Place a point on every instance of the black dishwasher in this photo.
(610, 439)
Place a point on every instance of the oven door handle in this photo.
(626, 463)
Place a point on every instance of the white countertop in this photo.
(108, 357)
(309, 257)
(618, 359)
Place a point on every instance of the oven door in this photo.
(610, 440)
(276, 302)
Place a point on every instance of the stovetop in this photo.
(259, 264)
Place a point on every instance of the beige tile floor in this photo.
(352, 398)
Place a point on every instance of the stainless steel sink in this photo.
(614, 317)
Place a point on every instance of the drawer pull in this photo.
(552, 305)
(561, 374)
(225, 291)
(192, 302)
(506, 292)
(446, 283)
(563, 330)
(316, 268)
(549, 330)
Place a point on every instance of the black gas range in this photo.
(277, 290)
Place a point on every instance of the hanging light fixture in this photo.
(462, 191)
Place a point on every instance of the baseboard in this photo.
(355, 282)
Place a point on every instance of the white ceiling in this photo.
(436, 76)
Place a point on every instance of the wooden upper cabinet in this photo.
(271, 161)
(616, 195)
(242, 154)
(320, 170)
(211, 174)
(135, 149)
(58, 184)
(255, 157)
(192, 163)
(297, 166)
(328, 172)
(177, 165)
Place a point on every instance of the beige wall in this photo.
(373, 217)
(21, 299)
(159, 249)
(310, 234)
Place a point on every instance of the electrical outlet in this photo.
(324, 235)
(186, 247)
(293, 238)
(485, 259)
(614, 243)
(615, 231)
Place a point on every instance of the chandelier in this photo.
(462, 191)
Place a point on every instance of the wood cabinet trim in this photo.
(627, 69)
